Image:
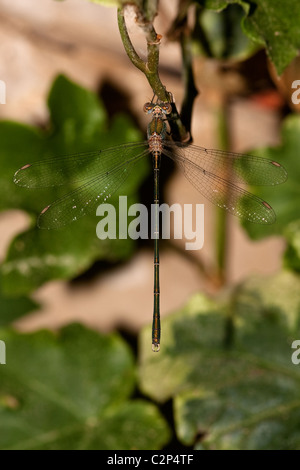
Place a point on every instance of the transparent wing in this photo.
(237, 167)
(101, 173)
(87, 197)
(80, 167)
(224, 193)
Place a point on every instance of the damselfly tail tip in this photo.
(155, 347)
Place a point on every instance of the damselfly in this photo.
(101, 173)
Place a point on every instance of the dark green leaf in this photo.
(13, 308)
(220, 34)
(234, 390)
(292, 254)
(275, 24)
(19, 144)
(71, 391)
(78, 124)
(270, 23)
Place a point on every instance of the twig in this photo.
(150, 67)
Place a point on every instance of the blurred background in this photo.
(241, 106)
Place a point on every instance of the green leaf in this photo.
(275, 24)
(220, 34)
(78, 123)
(284, 198)
(73, 109)
(18, 144)
(228, 367)
(270, 23)
(13, 308)
(71, 390)
(292, 254)
(38, 256)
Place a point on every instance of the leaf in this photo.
(245, 396)
(284, 198)
(292, 254)
(275, 24)
(78, 123)
(224, 37)
(38, 256)
(270, 23)
(13, 308)
(74, 109)
(71, 390)
(18, 145)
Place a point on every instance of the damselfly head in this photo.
(157, 109)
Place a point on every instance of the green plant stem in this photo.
(180, 31)
(150, 67)
(190, 90)
(130, 51)
(222, 216)
(150, 9)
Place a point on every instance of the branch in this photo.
(150, 67)
(130, 51)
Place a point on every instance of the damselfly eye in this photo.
(147, 108)
(167, 108)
